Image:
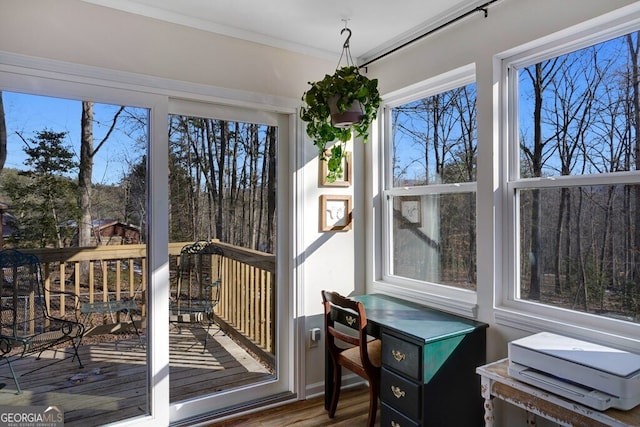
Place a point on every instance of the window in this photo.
(573, 199)
(430, 189)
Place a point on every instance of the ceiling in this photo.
(307, 26)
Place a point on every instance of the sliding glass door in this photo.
(225, 209)
(73, 193)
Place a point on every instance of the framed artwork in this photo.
(335, 213)
(410, 211)
(345, 180)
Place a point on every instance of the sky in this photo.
(27, 115)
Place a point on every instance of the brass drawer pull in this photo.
(395, 424)
(397, 392)
(350, 320)
(398, 355)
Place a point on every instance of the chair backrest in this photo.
(23, 309)
(340, 310)
(199, 272)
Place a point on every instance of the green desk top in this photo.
(423, 323)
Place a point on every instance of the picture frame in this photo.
(345, 181)
(410, 211)
(335, 212)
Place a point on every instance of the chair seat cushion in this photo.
(374, 349)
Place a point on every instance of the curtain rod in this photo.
(482, 8)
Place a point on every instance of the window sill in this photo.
(534, 323)
(462, 303)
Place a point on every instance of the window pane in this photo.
(578, 255)
(578, 116)
(576, 112)
(222, 190)
(434, 139)
(434, 239)
(73, 192)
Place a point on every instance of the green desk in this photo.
(429, 360)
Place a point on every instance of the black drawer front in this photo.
(401, 394)
(401, 356)
(389, 417)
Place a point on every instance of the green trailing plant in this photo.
(347, 86)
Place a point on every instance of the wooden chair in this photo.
(197, 288)
(361, 357)
(27, 325)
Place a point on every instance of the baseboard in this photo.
(348, 381)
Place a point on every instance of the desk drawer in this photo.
(401, 356)
(401, 394)
(389, 417)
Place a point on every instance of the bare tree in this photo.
(634, 47)
(541, 77)
(85, 172)
(570, 117)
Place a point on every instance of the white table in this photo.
(496, 382)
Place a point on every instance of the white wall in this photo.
(83, 33)
(77, 32)
(510, 24)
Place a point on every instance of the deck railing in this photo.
(114, 273)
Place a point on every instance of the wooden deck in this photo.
(113, 383)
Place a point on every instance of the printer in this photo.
(594, 375)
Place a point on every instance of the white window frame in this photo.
(284, 379)
(448, 298)
(46, 77)
(510, 310)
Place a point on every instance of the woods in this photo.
(221, 184)
(572, 181)
(579, 232)
(435, 146)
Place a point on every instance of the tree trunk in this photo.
(271, 189)
(536, 160)
(635, 89)
(3, 136)
(84, 183)
(84, 175)
(558, 243)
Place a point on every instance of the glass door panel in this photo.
(73, 193)
(223, 215)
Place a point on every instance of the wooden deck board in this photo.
(113, 383)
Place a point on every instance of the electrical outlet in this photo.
(314, 337)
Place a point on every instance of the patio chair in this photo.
(27, 323)
(197, 288)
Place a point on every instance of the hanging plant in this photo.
(354, 100)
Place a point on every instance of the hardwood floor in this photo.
(352, 412)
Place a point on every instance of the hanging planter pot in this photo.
(352, 114)
(338, 107)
